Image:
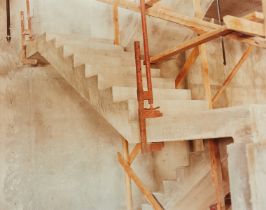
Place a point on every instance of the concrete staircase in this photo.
(104, 75)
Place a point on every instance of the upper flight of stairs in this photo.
(104, 75)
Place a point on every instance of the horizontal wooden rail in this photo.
(148, 195)
(244, 26)
(232, 74)
(169, 15)
(190, 44)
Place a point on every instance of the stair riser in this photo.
(124, 93)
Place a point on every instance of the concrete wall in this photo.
(56, 152)
(247, 87)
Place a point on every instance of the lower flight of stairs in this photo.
(192, 190)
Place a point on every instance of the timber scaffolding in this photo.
(250, 29)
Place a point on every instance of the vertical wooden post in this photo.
(127, 177)
(216, 167)
(216, 171)
(198, 145)
(264, 12)
(29, 19)
(23, 35)
(116, 23)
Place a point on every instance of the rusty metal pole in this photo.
(140, 96)
(8, 21)
(146, 51)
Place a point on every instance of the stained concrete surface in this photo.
(56, 152)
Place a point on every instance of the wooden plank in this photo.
(148, 195)
(134, 153)
(244, 26)
(205, 74)
(232, 73)
(29, 19)
(198, 145)
(116, 23)
(190, 44)
(216, 171)
(127, 177)
(186, 67)
(264, 13)
(255, 16)
(254, 41)
(151, 3)
(168, 15)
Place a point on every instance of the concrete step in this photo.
(199, 165)
(146, 207)
(76, 41)
(126, 93)
(169, 107)
(103, 59)
(88, 48)
(130, 81)
(160, 197)
(107, 70)
(218, 123)
(201, 196)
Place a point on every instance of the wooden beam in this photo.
(29, 19)
(134, 153)
(198, 145)
(148, 195)
(116, 23)
(168, 15)
(151, 3)
(232, 73)
(216, 171)
(254, 41)
(186, 67)
(205, 74)
(127, 177)
(264, 13)
(255, 16)
(244, 26)
(190, 44)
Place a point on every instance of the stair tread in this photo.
(75, 41)
(216, 123)
(107, 81)
(124, 93)
(93, 69)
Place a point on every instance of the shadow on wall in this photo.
(9, 52)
